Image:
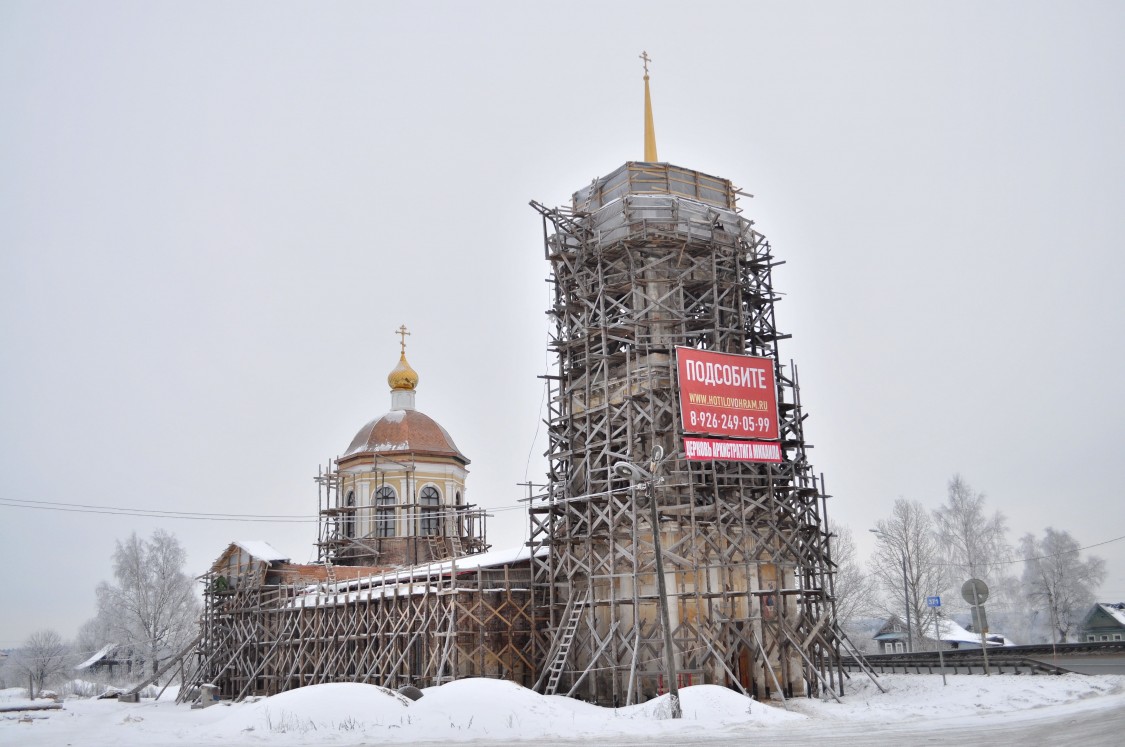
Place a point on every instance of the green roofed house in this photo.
(1104, 622)
(892, 637)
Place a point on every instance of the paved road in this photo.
(1088, 664)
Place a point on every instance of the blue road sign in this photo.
(933, 601)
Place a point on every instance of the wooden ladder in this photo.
(455, 544)
(567, 630)
(438, 550)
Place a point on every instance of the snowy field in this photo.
(482, 712)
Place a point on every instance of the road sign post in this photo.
(975, 592)
(935, 602)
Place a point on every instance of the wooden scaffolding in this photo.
(647, 259)
(262, 634)
(461, 529)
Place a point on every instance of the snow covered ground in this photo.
(493, 712)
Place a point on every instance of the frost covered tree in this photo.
(907, 538)
(1015, 616)
(152, 607)
(93, 634)
(973, 541)
(43, 657)
(1057, 581)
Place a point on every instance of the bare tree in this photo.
(152, 608)
(43, 657)
(1057, 581)
(907, 540)
(971, 540)
(855, 590)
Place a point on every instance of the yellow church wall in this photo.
(444, 475)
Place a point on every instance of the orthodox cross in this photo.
(401, 332)
(647, 59)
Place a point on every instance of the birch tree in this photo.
(152, 607)
(907, 538)
(1057, 581)
(974, 542)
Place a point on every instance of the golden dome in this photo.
(403, 377)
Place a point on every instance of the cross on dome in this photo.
(402, 332)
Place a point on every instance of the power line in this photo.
(1040, 557)
(1060, 554)
(156, 510)
(9, 503)
(84, 508)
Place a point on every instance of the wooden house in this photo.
(1104, 622)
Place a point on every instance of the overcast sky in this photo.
(213, 217)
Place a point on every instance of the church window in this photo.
(349, 515)
(430, 499)
(385, 511)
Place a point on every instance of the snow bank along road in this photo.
(1006, 709)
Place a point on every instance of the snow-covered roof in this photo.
(503, 556)
(892, 628)
(951, 632)
(463, 564)
(101, 654)
(1116, 610)
(261, 550)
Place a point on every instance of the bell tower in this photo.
(654, 265)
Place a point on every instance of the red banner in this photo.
(727, 395)
(704, 449)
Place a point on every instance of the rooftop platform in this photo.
(639, 178)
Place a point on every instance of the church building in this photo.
(678, 541)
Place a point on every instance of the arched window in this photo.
(385, 511)
(349, 515)
(430, 499)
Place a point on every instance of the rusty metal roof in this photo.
(404, 432)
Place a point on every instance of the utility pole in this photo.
(905, 587)
(906, 597)
(635, 474)
(662, 592)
